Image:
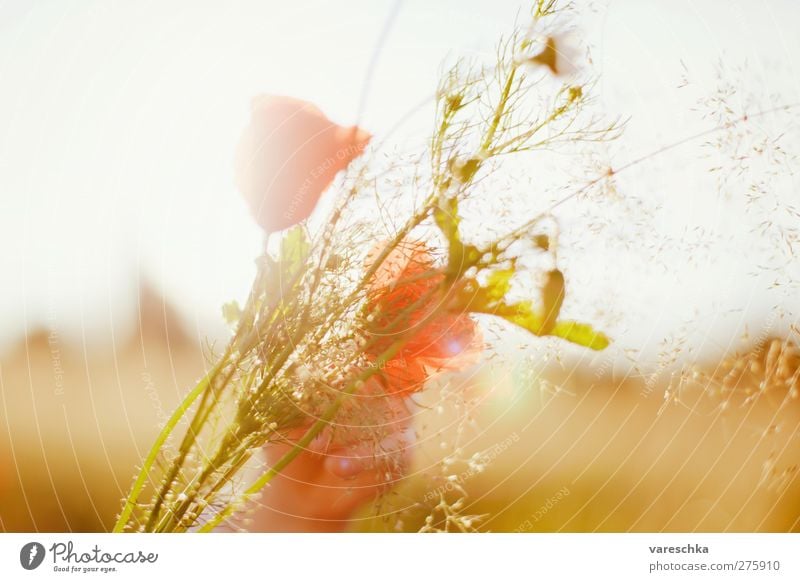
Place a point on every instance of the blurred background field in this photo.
(563, 449)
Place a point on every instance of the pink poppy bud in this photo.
(288, 155)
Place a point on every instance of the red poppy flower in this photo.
(402, 298)
(288, 155)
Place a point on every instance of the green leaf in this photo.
(490, 299)
(582, 334)
(294, 252)
(498, 284)
(231, 312)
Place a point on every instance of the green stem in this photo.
(195, 427)
(501, 106)
(138, 486)
(202, 413)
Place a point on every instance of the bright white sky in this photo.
(118, 122)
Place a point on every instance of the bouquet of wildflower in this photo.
(350, 312)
